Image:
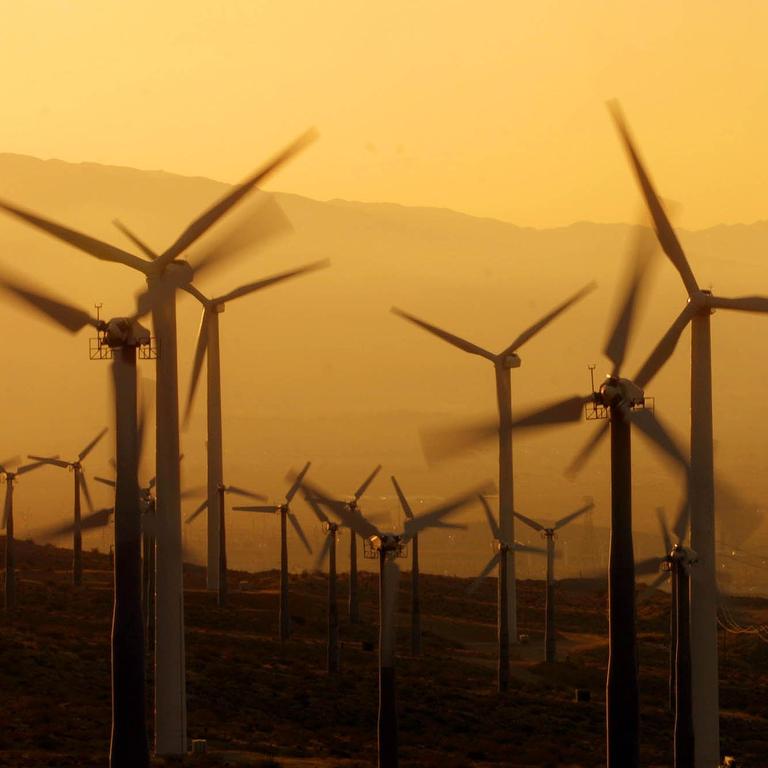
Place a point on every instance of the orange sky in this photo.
(493, 108)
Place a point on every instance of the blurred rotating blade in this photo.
(664, 529)
(197, 364)
(243, 492)
(141, 245)
(492, 563)
(202, 506)
(664, 349)
(53, 460)
(581, 457)
(563, 521)
(92, 520)
(649, 565)
(86, 491)
(649, 591)
(244, 290)
(652, 427)
(323, 554)
(88, 448)
(270, 508)
(368, 480)
(299, 532)
(528, 521)
(105, 481)
(406, 507)
(315, 507)
(297, 483)
(492, 524)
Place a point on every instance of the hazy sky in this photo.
(495, 108)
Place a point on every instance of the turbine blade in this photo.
(680, 526)
(428, 519)
(548, 318)
(66, 315)
(243, 492)
(299, 532)
(88, 448)
(353, 520)
(143, 247)
(664, 349)
(105, 481)
(297, 483)
(29, 467)
(647, 593)
(581, 457)
(323, 552)
(441, 443)
(90, 245)
(86, 491)
(272, 509)
(97, 519)
(742, 303)
(244, 290)
(457, 341)
(528, 521)
(664, 528)
(652, 428)
(530, 549)
(209, 217)
(492, 524)
(315, 507)
(648, 566)
(492, 563)
(563, 521)
(624, 318)
(55, 461)
(203, 505)
(200, 350)
(403, 501)
(368, 480)
(662, 225)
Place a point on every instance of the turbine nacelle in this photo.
(510, 360)
(387, 542)
(616, 390)
(125, 331)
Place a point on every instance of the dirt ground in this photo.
(258, 702)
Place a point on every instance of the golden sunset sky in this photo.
(492, 108)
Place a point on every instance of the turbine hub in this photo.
(512, 360)
(122, 332)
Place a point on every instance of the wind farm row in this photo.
(148, 553)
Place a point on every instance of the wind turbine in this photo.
(124, 336)
(76, 467)
(415, 597)
(620, 402)
(166, 273)
(285, 514)
(503, 363)
(329, 550)
(549, 612)
(699, 306)
(10, 549)
(221, 491)
(208, 342)
(500, 559)
(387, 547)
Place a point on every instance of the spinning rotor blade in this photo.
(54, 460)
(662, 225)
(528, 521)
(441, 443)
(297, 483)
(616, 346)
(743, 303)
(457, 341)
(299, 532)
(315, 507)
(244, 290)
(207, 219)
(492, 524)
(320, 559)
(581, 457)
(242, 492)
(664, 349)
(649, 565)
(548, 318)
(666, 538)
(429, 519)
(97, 519)
(145, 249)
(105, 481)
(531, 549)
(271, 509)
(568, 518)
(651, 588)
(492, 563)
(203, 505)
(403, 501)
(66, 315)
(88, 448)
(86, 491)
(368, 480)
(652, 428)
(200, 350)
(90, 245)
(29, 467)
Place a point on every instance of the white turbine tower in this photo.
(166, 273)
(208, 346)
(699, 306)
(503, 363)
